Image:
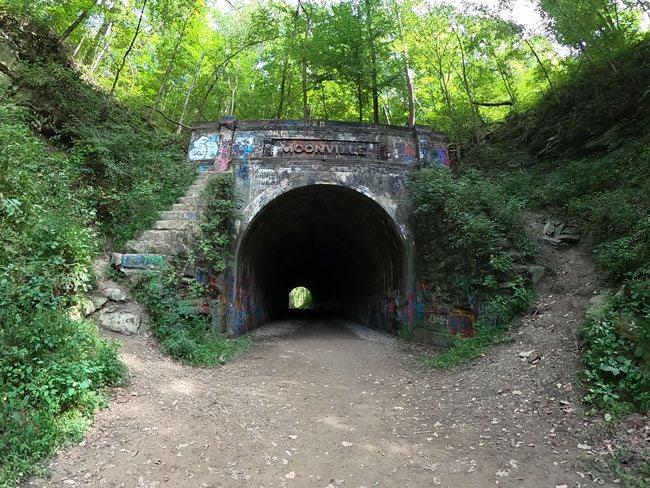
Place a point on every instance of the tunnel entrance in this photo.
(335, 241)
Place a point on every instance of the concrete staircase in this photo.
(169, 236)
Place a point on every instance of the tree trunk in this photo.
(233, 90)
(81, 41)
(305, 110)
(468, 91)
(286, 112)
(128, 51)
(169, 67)
(360, 98)
(102, 32)
(504, 76)
(75, 24)
(189, 93)
(322, 91)
(373, 57)
(100, 56)
(541, 65)
(409, 81)
(227, 59)
(387, 116)
(286, 61)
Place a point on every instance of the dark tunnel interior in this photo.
(333, 240)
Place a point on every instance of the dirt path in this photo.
(325, 402)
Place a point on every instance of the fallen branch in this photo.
(169, 119)
(493, 104)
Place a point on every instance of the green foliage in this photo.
(470, 227)
(617, 361)
(213, 245)
(126, 170)
(463, 350)
(183, 333)
(635, 474)
(466, 222)
(53, 375)
(92, 179)
(596, 172)
(300, 297)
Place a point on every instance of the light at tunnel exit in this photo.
(300, 298)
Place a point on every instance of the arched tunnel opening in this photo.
(335, 241)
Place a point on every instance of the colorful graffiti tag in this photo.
(429, 153)
(205, 147)
(422, 308)
(243, 172)
(142, 261)
(243, 146)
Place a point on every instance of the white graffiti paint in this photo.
(205, 147)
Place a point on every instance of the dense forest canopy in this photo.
(457, 66)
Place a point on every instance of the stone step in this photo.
(191, 216)
(185, 207)
(190, 200)
(163, 235)
(162, 248)
(172, 224)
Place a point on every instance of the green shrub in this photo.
(213, 246)
(617, 361)
(53, 375)
(183, 333)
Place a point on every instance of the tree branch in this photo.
(169, 119)
(493, 104)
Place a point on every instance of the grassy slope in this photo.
(77, 171)
(588, 158)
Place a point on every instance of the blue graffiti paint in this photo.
(141, 261)
(205, 168)
(442, 156)
(191, 216)
(243, 172)
(244, 145)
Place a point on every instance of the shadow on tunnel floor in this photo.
(316, 324)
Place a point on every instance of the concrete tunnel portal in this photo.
(323, 205)
(333, 240)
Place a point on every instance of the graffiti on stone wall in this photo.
(243, 172)
(405, 150)
(205, 147)
(142, 261)
(442, 157)
(431, 153)
(263, 178)
(243, 146)
(461, 323)
(224, 158)
(422, 308)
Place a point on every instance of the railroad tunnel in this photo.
(335, 241)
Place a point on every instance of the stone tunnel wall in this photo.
(270, 158)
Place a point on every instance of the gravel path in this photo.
(327, 402)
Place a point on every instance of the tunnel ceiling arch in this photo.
(334, 240)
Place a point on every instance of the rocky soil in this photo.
(320, 403)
